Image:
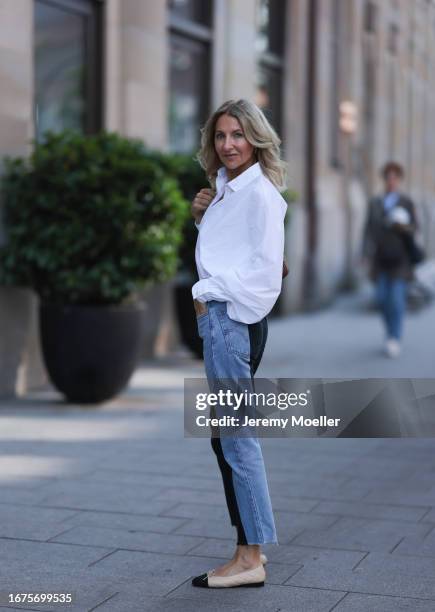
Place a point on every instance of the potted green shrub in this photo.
(191, 178)
(90, 222)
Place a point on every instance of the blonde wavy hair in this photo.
(258, 132)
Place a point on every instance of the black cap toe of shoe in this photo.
(200, 581)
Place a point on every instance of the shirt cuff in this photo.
(197, 225)
(199, 290)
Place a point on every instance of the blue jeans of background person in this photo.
(391, 297)
(230, 355)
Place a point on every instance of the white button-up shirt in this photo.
(240, 245)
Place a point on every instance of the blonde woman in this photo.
(239, 257)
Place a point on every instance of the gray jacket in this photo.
(372, 231)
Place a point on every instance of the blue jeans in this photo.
(230, 355)
(391, 297)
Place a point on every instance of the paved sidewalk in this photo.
(114, 505)
(346, 341)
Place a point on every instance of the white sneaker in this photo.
(392, 347)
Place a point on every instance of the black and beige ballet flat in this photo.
(250, 578)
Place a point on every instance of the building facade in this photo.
(156, 69)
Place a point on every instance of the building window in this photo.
(393, 38)
(190, 24)
(370, 11)
(270, 50)
(68, 68)
(197, 11)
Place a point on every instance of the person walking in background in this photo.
(239, 257)
(390, 226)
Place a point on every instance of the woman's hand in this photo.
(285, 269)
(201, 203)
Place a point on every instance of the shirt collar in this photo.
(240, 181)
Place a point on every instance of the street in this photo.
(114, 505)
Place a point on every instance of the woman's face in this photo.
(233, 150)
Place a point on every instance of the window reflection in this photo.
(268, 94)
(270, 48)
(192, 10)
(270, 26)
(262, 40)
(60, 63)
(188, 92)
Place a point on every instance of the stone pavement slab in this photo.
(175, 494)
(354, 602)
(28, 566)
(18, 521)
(335, 559)
(135, 601)
(418, 544)
(429, 517)
(376, 511)
(129, 539)
(403, 494)
(96, 495)
(272, 597)
(22, 557)
(378, 573)
(362, 534)
(20, 495)
(123, 520)
(148, 480)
